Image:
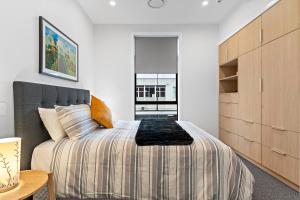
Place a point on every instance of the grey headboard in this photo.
(28, 125)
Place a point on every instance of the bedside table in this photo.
(31, 181)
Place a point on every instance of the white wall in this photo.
(243, 14)
(19, 58)
(198, 71)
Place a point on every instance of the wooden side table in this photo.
(31, 181)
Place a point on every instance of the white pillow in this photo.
(52, 124)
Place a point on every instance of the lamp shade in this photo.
(10, 150)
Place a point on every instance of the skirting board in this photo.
(280, 178)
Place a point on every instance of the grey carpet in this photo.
(268, 188)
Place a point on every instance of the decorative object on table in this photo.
(58, 53)
(10, 149)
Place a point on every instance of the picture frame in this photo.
(58, 53)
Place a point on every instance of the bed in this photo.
(107, 164)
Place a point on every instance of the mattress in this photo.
(42, 156)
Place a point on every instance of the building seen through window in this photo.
(156, 96)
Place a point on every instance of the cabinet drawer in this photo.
(229, 98)
(250, 149)
(228, 138)
(229, 124)
(229, 109)
(285, 142)
(250, 130)
(284, 165)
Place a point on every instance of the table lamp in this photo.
(10, 154)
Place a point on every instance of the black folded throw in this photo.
(161, 132)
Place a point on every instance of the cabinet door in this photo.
(250, 37)
(232, 48)
(280, 19)
(250, 86)
(223, 53)
(281, 78)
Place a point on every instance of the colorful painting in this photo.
(58, 53)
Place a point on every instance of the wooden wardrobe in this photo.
(259, 98)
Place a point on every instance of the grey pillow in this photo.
(76, 120)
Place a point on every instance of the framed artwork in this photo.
(58, 53)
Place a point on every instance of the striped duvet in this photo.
(107, 164)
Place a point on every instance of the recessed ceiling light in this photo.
(112, 3)
(205, 3)
(157, 3)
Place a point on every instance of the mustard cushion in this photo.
(101, 113)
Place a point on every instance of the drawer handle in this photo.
(248, 121)
(249, 140)
(278, 128)
(226, 117)
(227, 103)
(260, 36)
(278, 151)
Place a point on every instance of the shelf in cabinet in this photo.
(230, 78)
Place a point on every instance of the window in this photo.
(139, 91)
(156, 96)
(148, 90)
(161, 91)
(156, 68)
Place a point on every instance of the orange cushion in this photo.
(101, 113)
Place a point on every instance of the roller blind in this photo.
(156, 55)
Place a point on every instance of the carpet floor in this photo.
(269, 188)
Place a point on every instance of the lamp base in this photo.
(9, 188)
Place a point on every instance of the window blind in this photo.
(156, 55)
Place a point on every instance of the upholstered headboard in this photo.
(28, 125)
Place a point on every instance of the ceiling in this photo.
(174, 12)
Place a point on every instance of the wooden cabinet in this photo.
(229, 98)
(223, 53)
(284, 142)
(228, 51)
(250, 86)
(229, 110)
(280, 152)
(282, 18)
(281, 83)
(233, 48)
(250, 131)
(229, 124)
(250, 149)
(282, 164)
(229, 138)
(250, 37)
(259, 100)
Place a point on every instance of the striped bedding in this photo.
(107, 164)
